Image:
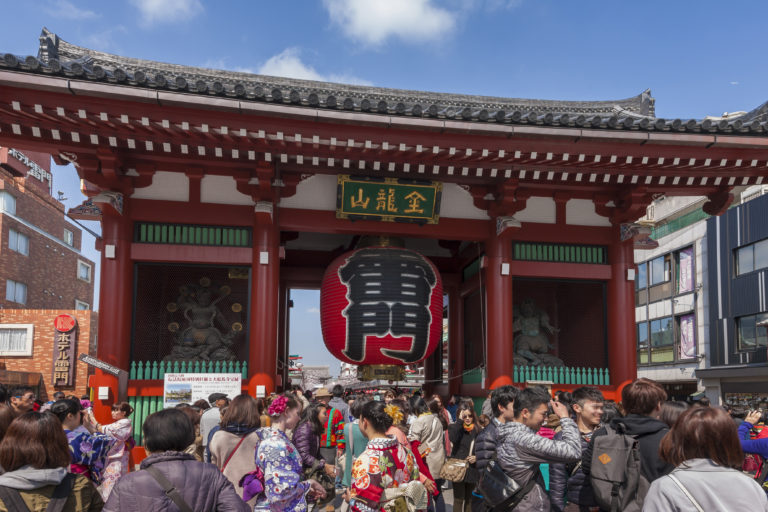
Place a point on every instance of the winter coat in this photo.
(209, 419)
(242, 461)
(462, 442)
(427, 430)
(520, 451)
(307, 443)
(485, 444)
(36, 488)
(758, 446)
(713, 487)
(566, 480)
(201, 485)
(649, 432)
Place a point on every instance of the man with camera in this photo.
(520, 449)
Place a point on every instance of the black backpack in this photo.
(13, 500)
(617, 481)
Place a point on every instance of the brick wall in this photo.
(42, 346)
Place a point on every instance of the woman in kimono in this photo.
(280, 462)
(117, 460)
(383, 472)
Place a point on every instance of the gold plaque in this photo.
(380, 372)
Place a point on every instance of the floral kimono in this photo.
(281, 464)
(384, 464)
(117, 461)
(89, 453)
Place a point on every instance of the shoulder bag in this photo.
(229, 457)
(455, 469)
(172, 492)
(500, 491)
(686, 492)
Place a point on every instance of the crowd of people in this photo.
(327, 449)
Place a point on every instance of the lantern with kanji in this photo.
(381, 309)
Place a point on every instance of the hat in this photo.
(322, 393)
(213, 397)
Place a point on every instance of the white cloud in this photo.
(315, 311)
(67, 10)
(288, 63)
(167, 11)
(372, 22)
(734, 83)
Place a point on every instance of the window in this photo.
(641, 280)
(15, 292)
(659, 270)
(69, 237)
(83, 271)
(642, 343)
(7, 202)
(662, 340)
(80, 305)
(752, 257)
(752, 331)
(16, 339)
(18, 242)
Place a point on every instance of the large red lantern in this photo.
(381, 306)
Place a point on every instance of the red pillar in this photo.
(622, 351)
(455, 337)
(264, 307)
(498, 290)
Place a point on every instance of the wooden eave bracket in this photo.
(718, 201)
(508, 198)
(627, 207)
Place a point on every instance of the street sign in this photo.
(388, 199)
(122, 375)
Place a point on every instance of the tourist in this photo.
(212, 417)
(502, 404)
(389, 395)
(35, 455)
(384, 465)
(298, 393)
(749, 445)
(88, 449)
(117, 459)
(486, 408)
(463, 434)
(521, 450)
(277, 457)
(671, 410)
(232, 447)
(263, 416)
(428, 431)
(58, 395)
(22, 399)
(451, 406)
(355, 441)
(306, 438)
(201, 487)
(567, 482)
(338, 402)
(196, 448)
(6, 417)
(704, 449)
(332, 437)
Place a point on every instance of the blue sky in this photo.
(698, 57)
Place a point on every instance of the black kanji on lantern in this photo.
(389, 290)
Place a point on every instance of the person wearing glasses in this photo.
(22, 400)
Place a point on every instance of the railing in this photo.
(185, 234)
(681, 222)
(557, 375)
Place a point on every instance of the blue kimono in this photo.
(281, 464)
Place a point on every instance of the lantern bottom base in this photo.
(381, 372)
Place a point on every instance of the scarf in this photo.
(469, 427)
(239, 429)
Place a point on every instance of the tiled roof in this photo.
(58, 57)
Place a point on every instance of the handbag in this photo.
(500, 491)
(455, 469)
(328, 483)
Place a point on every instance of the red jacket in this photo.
(335, 429)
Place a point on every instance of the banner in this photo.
(187, 388)
(64, 350)
(685, 276)
(687, 337)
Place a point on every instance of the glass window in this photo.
(761, 254)
(7, 203)
(641, 281)
(657, 271)
(642, 343)
(745, 261)
(15, 292)
(662, 340)
(83, 271)
(752, 331)
(16, 339)
(82, 305)
(18, 242)
(69, 237)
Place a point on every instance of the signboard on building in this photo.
(64, 346)
(187, 388)
(687, 337)
(388, 199)
(685, 275)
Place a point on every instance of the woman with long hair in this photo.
(306, 438)
(462, 435)
(233, 445)
(383, 466)
(280, 462)
(705, 450)
(34, 455)
(117, 460)
(88, 448)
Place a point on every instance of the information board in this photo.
(187, 388)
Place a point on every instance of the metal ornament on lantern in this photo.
(381, 308)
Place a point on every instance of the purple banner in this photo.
(687, 337)
(685, 276)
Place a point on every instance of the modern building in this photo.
(218, 192)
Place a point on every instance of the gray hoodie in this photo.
(27, 478)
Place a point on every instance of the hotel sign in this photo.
(64, 345)
(388, 199)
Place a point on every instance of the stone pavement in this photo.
(447, 495)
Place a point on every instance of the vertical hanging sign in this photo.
(64, 346)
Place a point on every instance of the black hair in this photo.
(671, 410)
(338, 390)
(501, 397)
(434, 408)
(564, 397)
(4, 395)
(610, 411)
(418, 405)
(356, 408)
(58, 395)
(531, 398)
(168, 430)
(584, 393)
(309, 415)
(20, 391)
(65, 406)
(373, 411)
